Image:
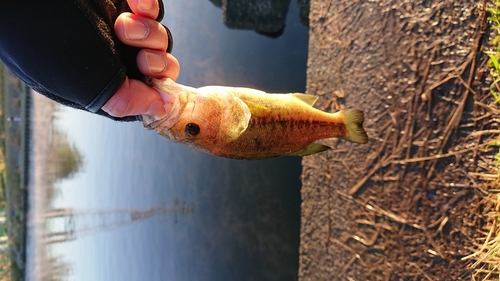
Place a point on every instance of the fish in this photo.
(246, 123)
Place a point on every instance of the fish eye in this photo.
(192, 129)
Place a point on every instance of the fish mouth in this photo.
(150, 122)
(172, 101)
(153, 122)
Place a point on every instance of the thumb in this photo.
(136, 98)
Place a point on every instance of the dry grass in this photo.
(486, 255)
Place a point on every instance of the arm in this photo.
(67, 50)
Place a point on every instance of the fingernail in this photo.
(136, 30)
(116, 109)
(156, 63)
(145, 5)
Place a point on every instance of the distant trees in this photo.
(65, 159)
(56, 269)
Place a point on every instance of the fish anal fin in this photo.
(308, 99)
(311, 149)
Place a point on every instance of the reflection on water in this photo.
(65, 223)
(146, 209)
(232, 219)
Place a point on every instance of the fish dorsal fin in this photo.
(257, 110)
(309, 99)
(311, 149)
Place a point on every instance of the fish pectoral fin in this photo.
(257, 110)
(311, 149)
(235, 119)
(308, 99)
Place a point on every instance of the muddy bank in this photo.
(405, 206)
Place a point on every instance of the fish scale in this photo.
(287, 134)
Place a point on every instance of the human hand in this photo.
(140, 29)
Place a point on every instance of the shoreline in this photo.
(37, 264)
(16, 113)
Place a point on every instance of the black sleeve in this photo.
(67, 50)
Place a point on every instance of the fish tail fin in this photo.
(354, 123)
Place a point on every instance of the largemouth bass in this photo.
(245, 123)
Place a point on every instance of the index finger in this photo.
(145, 8)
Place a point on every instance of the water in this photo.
(240, 219)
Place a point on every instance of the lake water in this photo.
(149, 209)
